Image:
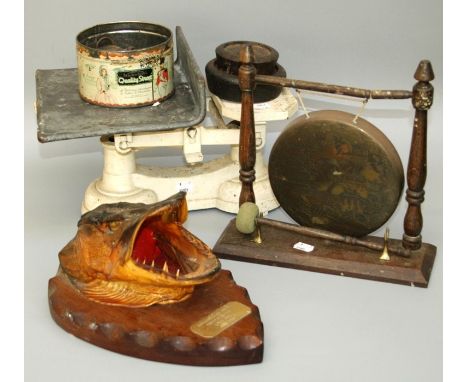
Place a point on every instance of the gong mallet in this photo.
(248, 221)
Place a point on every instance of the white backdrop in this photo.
(317, 327)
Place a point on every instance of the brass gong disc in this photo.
(328, 172)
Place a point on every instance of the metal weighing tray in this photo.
(62, 114)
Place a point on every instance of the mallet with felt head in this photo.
(248, 220)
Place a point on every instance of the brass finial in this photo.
(424, 71)
(258, 237)
(385, 256)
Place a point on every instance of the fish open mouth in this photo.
(166, 247)
(152, 251)
(137, 255)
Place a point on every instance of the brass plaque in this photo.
(220, 319)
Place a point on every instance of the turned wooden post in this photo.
(247, 126)
(423, 93)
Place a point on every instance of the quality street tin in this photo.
(125, 64)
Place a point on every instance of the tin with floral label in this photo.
(125, 64)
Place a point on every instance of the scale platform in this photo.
(62, 114)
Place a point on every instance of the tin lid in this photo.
(124, 37)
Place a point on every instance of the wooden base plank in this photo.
(328, 256)
(163, 332)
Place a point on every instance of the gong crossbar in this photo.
(333, 89)
(421, 97)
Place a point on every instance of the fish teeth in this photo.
(152, 264)
(177, 274)
(165, 267)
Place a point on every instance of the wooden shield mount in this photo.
(410, 261)
(179, 333)
(134, 281)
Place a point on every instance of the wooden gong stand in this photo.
(332, 257)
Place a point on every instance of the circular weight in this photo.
(330, 173)
(226, 86)
(228, 57)
(245, 219)
(222, 72)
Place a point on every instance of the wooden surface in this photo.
(327, 257)
(247, 127)
(333, 89)
(423, 94)
(162, 332)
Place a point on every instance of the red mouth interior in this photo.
(150, 250)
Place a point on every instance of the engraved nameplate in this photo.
(220, 319)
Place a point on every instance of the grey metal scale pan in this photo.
(62, 114)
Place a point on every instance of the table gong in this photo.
(332, 171)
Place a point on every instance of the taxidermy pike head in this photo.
(136, 255)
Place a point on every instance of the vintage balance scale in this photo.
(176, 122)
(215, 323)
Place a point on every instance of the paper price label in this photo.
(186, 186)
(262, 106)
(303, 247)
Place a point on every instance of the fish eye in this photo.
(113, 225)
